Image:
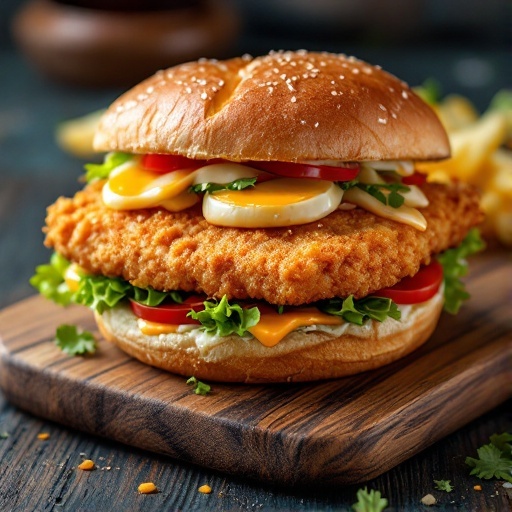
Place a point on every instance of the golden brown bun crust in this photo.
(303, 357)
(287, 106)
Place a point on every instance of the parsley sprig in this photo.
(74, 341)
(369, 501)
(444, 485)
(360, 310)
(200, 388)
(494, 459)
(239, 184)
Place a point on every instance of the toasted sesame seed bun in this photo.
(303, 355)
(286, 106)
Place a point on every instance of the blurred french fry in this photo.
(456, 112)
(478, 158)
(471, 147)
(76, 135)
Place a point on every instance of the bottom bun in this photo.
(310, 353)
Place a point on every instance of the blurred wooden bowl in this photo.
(105, 47)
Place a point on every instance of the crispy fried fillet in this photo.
(348, 252)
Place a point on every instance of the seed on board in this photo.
(43, 436)
(86, 465)
(147, 488)
(205, 489)
(477, 487)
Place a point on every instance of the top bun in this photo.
(285, 106)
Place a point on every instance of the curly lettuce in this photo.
(455, 267)
(222, 318)
(102, 171)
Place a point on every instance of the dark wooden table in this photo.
(42, 474)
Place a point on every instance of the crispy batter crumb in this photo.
(147, 488)
(428, 500)
(43, 436)
(205, 489)
(86, 465)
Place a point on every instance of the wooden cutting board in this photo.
(334, 432)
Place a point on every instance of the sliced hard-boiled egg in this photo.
(276, 203)
(132, 187)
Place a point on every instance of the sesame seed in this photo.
(382, 120)
(294, 99)
(355, 71)
(334, 93)
(302, 121)
(404, 95)
(204, 96)
(333, 82)
(283, 76)
(221, 83)
(188, 90)
(316, 124)
(382, 107)
(342, 77)
(271, 90)
(150, 89)
(393, 115)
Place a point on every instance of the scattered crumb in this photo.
(428, 500)
(43, 436)
(205, 489)
(86, 465)
(147, 488)
(477, 487)
(4, 435)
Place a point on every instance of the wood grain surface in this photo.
(341, 431)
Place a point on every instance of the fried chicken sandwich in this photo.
(261, 220)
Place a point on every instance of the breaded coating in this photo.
(347, 252)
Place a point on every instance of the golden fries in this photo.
(479, 157)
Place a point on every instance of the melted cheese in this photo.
(155, 328)
(273, 327)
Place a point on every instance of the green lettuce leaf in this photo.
(73, 341)
(239, 184)
(360, 310)
(49, 280)
(491, 463)
(102, 171)
(429, 91)
(223, 319)
(455, 267)
(444, 485)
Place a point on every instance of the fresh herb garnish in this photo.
(455, 266)
(222, 318)
(394, 198)
(494, 459)
(49, 280)
(444, 485)
(358, 311)
(102, 171)
(369, 501)
(200, 388)
(74, 341)
(239, 184)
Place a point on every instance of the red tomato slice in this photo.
(167, 163)
(174, 314)
(318, 172)
(419, 288)
(417, 178)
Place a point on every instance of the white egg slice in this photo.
(276, 203)
(131, 187)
